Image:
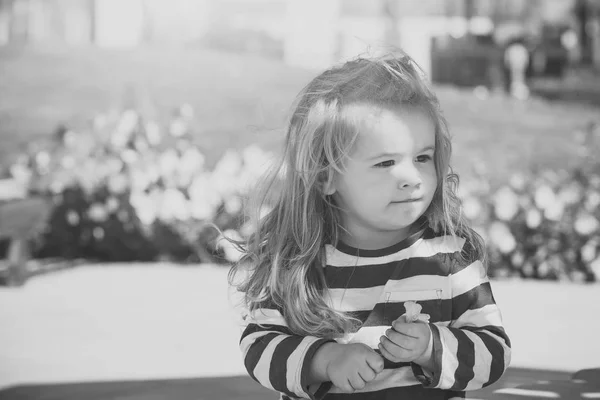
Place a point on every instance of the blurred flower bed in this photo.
(542, 224)
(129, 189)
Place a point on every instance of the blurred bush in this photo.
(542, 224)
(128, 189)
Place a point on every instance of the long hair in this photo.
(284, 256)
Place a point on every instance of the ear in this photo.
(328, 184)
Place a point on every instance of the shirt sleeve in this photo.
(473, 351)
(278, 359)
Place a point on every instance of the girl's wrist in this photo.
(425, 360)
(320, 362)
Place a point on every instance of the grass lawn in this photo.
(242, 99)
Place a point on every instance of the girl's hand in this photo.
(351, 366)
(406, 342)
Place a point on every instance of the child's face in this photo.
(390, 177)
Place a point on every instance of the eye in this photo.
(424, 158)
(385, 164)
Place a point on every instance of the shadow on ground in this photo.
(226, 388)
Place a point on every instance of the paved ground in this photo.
(104, 327)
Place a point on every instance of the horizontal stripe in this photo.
(483, 361)
(387, 313)
(388, 378)
(278, 367)
(421, 248)
(497, 331)
(449, 361)
(295, 364)
(476, 298)
(468, 278)
(250, 339)
(366, 335)
(255, 352)
(358, 299)
(254, 328)
(263, 367)
(376, 275)
(487, 315)
(465, 356)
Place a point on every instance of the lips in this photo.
(409, 200)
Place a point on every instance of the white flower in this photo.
(204, 198)
(586, 224)
(500, 235)
(544, 197)
(413, 312)
(42, 160)
(129, 156)
(233, 205)
(595, 267)
(145, 207)
(174, 206)
(178, 127)
(67, 162)
(229, 165)
(232, 253)
(554, 211)
(112, 204)
(117, 184)
(168, 162)
(588, 251)
(72, 217)
(570, 193)
(97, 213)
(527, 269)
(518, 182)
(186, 111)
(153, 133)
(592, 201)
(543, 269)
(506, 204)
(125, 127)
(471, 207)
(21, 173)
(594, 181)
(192, 161)
(98, 233)
(533, 219)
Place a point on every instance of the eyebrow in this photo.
(385, 155)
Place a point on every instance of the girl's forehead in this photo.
(396, 128)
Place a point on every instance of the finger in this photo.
(347, 387)
(395, 340)
(367, 374)
(387, 354)
(405, 329)
(392, 349)
(357, 382)
(375, 362)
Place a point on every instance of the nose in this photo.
(407, 176)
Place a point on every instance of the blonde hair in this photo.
(285, 255)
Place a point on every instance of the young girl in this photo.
(365, 222)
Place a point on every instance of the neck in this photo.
(369, 240)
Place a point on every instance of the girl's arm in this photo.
(473, 351)
(282, 361)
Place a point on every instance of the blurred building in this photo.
(308, 33)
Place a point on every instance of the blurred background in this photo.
(128, 127)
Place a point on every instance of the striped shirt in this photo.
(470, 347)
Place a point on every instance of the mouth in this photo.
(408, 201)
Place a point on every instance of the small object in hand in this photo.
(413, 312)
